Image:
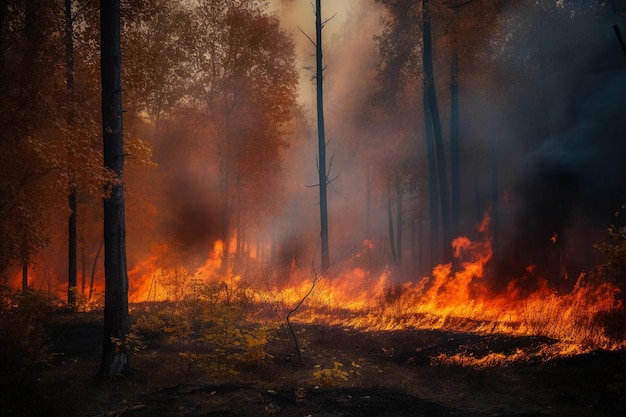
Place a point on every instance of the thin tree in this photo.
(116, 325)
(436, 155)
(321, 138)
(73, 205)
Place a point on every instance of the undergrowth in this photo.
(211, 329)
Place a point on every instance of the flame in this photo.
(149, 280)
(455, 298)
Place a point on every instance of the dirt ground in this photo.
(344, 373)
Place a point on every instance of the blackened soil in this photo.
(245, 400)
(372, 374)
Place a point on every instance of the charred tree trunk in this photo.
(495, 203)
(455, 151)
(323, 178)
(116, 326)
(72, 269)
(83, 263)
(433, 196)
(436, 160)
(72, 200)
(25, 275)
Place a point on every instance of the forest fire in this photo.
(454, 298)
(228, 188)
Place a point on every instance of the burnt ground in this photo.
(366, 374)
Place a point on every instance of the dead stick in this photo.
(293, 310)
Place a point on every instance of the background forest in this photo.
(519, 126)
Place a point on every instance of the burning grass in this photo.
(578, 322)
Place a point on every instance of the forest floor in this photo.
(345, 372)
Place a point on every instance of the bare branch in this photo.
(330, 18)
(307, 36)
(330, 182)
(330, 165)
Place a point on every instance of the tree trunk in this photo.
(116, 325)
(323, 178)
(433, 196)
(24, 275)
(495, 202)
(83, 263)
(455, 152)
(69, 50)
(72, 270)
(431, 109)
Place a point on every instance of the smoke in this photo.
(350, 59)
(541, 117)
(569, 177)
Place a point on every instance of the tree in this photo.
(73, 203)
(436, 154)
(30, 158)
(116, 325)
(245, 83)
(321, 138)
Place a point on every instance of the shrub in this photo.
(24, 341)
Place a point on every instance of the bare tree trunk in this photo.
(83, 262)
(433, 119)
(323, 178)
(24, 275)
(72, 270)
(433, 196)
(116, 325)
(72, 200)
(455, 152)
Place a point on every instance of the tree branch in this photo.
(307, 36)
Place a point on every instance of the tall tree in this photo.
(29, 168)
(72, 200)
(432, 121)
(116, 325)
(245, 93)
(455, 151)
(321, 138)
